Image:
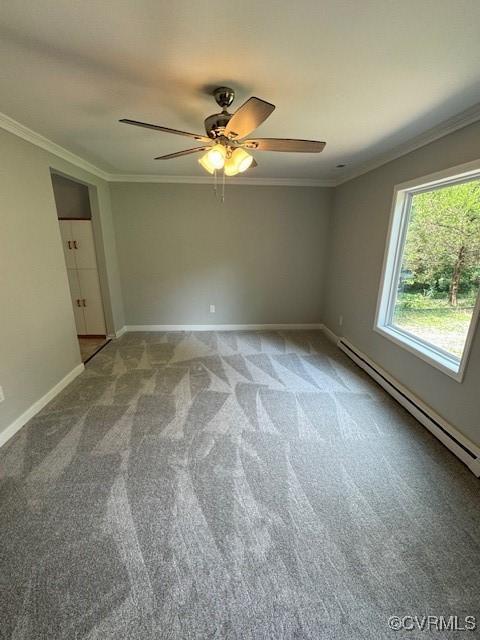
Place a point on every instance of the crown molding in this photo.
(450, 125)
(261, 182)
(20, 130)
(463, 119)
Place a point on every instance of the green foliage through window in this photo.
(440, 270)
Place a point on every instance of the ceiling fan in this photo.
(226, 144)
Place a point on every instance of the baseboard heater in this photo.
(467, 451)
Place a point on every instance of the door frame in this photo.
(99, 249)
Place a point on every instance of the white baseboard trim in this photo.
(460, 445)
(330, 335)
(17, 424)
(220, 327)
(120, 332)
(475, 467)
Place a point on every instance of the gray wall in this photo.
(38, 344)
(71, 198)
(357, 238)
(259, 258)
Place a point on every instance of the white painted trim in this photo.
(120, 332)
(422, 412)
(475, 467)
(458, 172)
(330, 335)
(27, 415)
(221, 327)
(397, 229)
(244, 180)
(434, 133)
(20, 130)
(437, 358)
(463, 119)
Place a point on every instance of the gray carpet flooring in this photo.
(251, 485)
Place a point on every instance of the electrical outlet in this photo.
(340, 321)
(212, 308)
(2, 395)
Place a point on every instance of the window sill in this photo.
(449, 365)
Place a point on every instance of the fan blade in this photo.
(181, 153)
(248, 117)
(157, 127)
(284, 144)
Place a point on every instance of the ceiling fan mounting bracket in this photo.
(224, 96)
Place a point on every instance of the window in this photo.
(429, 300)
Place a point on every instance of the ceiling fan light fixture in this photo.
(216, 156)
(230, 168)
(204, 161)
(228, 132)
(241, 159)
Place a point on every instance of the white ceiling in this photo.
(364, 75)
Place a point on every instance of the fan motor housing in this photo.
(216, 123)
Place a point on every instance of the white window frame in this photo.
(397, 230)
